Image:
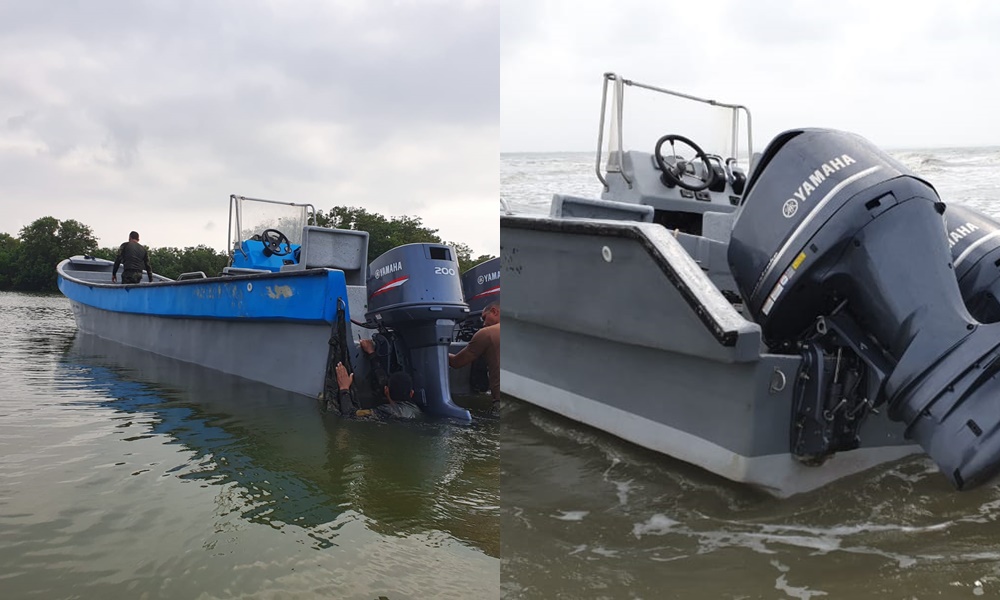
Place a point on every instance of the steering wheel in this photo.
(272, 239)
(675, 174)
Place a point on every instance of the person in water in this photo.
(134, 257)
(396, 388)
(485, 343)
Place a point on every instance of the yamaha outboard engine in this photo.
(480, 286)
(975, 248)
(415, 297)
(841, 254)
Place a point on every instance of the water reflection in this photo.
(277, 459)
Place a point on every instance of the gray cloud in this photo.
(919, 75)
(433, 61)
(170, 101)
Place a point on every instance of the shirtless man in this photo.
(485, 343)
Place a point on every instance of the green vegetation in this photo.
(171, 262)
(27, 262)
(385, 234)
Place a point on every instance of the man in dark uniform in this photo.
(396, 388)
(134, 257)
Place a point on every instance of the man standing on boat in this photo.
(134, 256)
(485, 343)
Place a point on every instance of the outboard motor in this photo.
(415, 298)
(480, 287)
(841, 254)
(975, 249)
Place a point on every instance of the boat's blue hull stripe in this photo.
(308, 296)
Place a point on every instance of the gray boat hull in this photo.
(615, 325)
(293, 356)
(290, 357)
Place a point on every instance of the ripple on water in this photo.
(899, 523)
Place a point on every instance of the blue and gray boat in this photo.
(295, 300)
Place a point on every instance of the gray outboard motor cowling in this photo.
(415, 291)
(481, 285)
(834, 232)
(975, 248)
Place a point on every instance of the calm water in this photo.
(587, 515)
(126, 475)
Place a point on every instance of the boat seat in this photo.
(343, 249)
(591, 208)
(92, 276)
(717, 226)
(242, 271)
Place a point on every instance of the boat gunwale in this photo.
(726, 334)
(62, 272)
(117, 298)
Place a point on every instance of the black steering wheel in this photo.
(676, 173)
(272, 239)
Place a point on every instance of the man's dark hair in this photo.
(133, 235)
(400, 386)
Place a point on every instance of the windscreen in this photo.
(254, 216)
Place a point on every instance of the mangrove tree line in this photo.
(28, 261)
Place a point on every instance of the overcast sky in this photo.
(146, 115)
(904, 75)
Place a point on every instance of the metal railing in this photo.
(235, 200)
(506, 207)
(618, 103)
